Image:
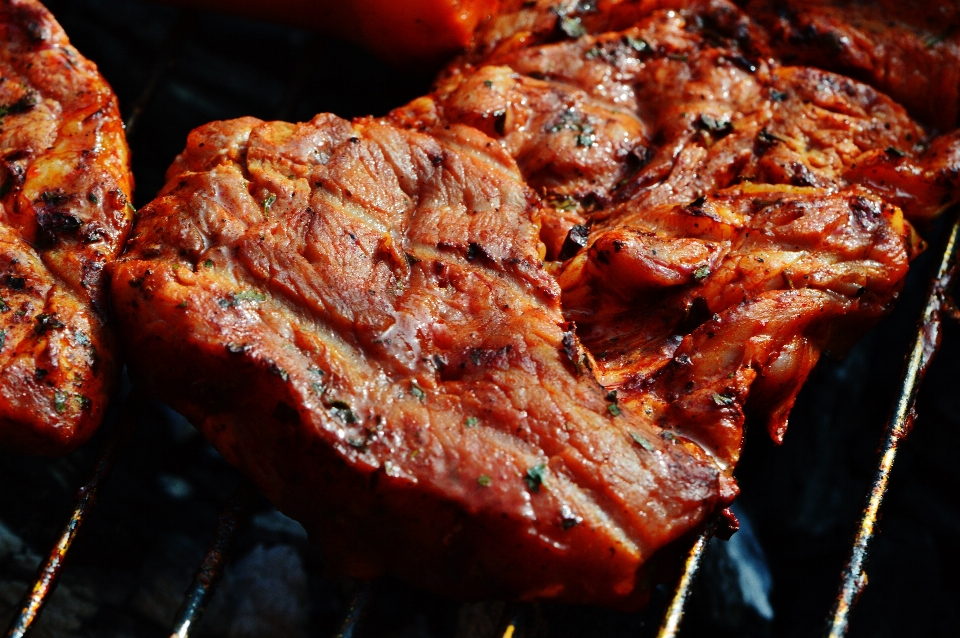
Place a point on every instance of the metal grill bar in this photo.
(671, 620)
(232, 518)
(355, 613)
(49, 572)
(510, 621)
(925, 346)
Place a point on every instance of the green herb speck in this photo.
(208, 263)
(471, 421)
(722, 399)
(93, 199)
(3, 306)
(637, 44)
(244, 295)
(642, 442)
(701, 273)
(343, 412)
(488, 84)
(417, 392)
(933, 40)
(484, 480)
(267, 203)
(535, 477)
(613, 409)
(566, 203)
(572, 27)
(60, 401)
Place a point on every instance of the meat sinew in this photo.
(357, 314)
(64, 184)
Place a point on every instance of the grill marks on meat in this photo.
(373, 337)
(371, 334)
(64, 181)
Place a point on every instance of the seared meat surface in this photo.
(502, 342)
(909, 49)
(370, 332)
(65, 183)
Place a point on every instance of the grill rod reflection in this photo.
(355, 613)
(674, 615)
(49, 571)
(925, 345)
(232, 518)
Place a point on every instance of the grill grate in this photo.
(49, 572)
(237, 508)
(925, 346)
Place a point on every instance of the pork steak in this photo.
(358, 313)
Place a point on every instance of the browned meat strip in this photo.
(356, 313)
(64, 186)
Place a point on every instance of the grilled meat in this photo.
(698, 83)
(370, 333)
(909, 49)
(357, 314)
(65, 186)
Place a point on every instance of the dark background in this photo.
(800, 502)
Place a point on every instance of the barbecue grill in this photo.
(170, 492)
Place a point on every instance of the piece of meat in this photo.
(909, 49)
(64, 188)
(410, 33)
(357, 314)
(683, 102)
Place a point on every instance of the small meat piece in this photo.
(64, 189)
(739, 290)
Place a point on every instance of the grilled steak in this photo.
(64, 184)
(359, 316)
